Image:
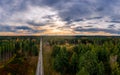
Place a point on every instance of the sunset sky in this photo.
(64, 17)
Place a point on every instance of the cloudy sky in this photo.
(68, 17)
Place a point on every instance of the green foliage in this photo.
(89, 61)
(60, 63)
(55, 51)
(88, 56)
(101, 70)
(83, 71)
(115, 69)
(102, 54)
(25, 50)
(74, 64)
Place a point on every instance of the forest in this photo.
(62, 55)
(18, 55)
(81, 55)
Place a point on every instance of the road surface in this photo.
(39, 70)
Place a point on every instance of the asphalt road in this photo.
(39, 70)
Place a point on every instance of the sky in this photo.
(59, 17)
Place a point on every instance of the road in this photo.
(39, 70)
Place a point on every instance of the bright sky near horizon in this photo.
(64, 17)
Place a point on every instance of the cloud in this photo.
(43, 16)
(93, 18)
(26, 21)
(26, 29)
(80, 9)
(114, 21)
(111, 26)
(6, 29)
(89, 26)
(35, 24)
(72, 9)
(113, 31)
(19, 29)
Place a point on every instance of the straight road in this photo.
(39, 70)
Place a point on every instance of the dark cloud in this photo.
(12, 6)
(50, 2)
(23, 27)
(6, 29)
(35, 24)
(111, 26)
(114, 21)
(93, 18)
(55, 3)
(78, 28)
(69, 20)
(30, 30)
(112, 31)
(88, 26)
(17, 28)
(76, 9)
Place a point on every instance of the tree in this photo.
(56, 50)
(115, 69)
(60, 62)
(74, 64)
(83, 71)
(101, 70)
(89, 61)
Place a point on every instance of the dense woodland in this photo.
(18, 55)
(82, 56)
(67, 55)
